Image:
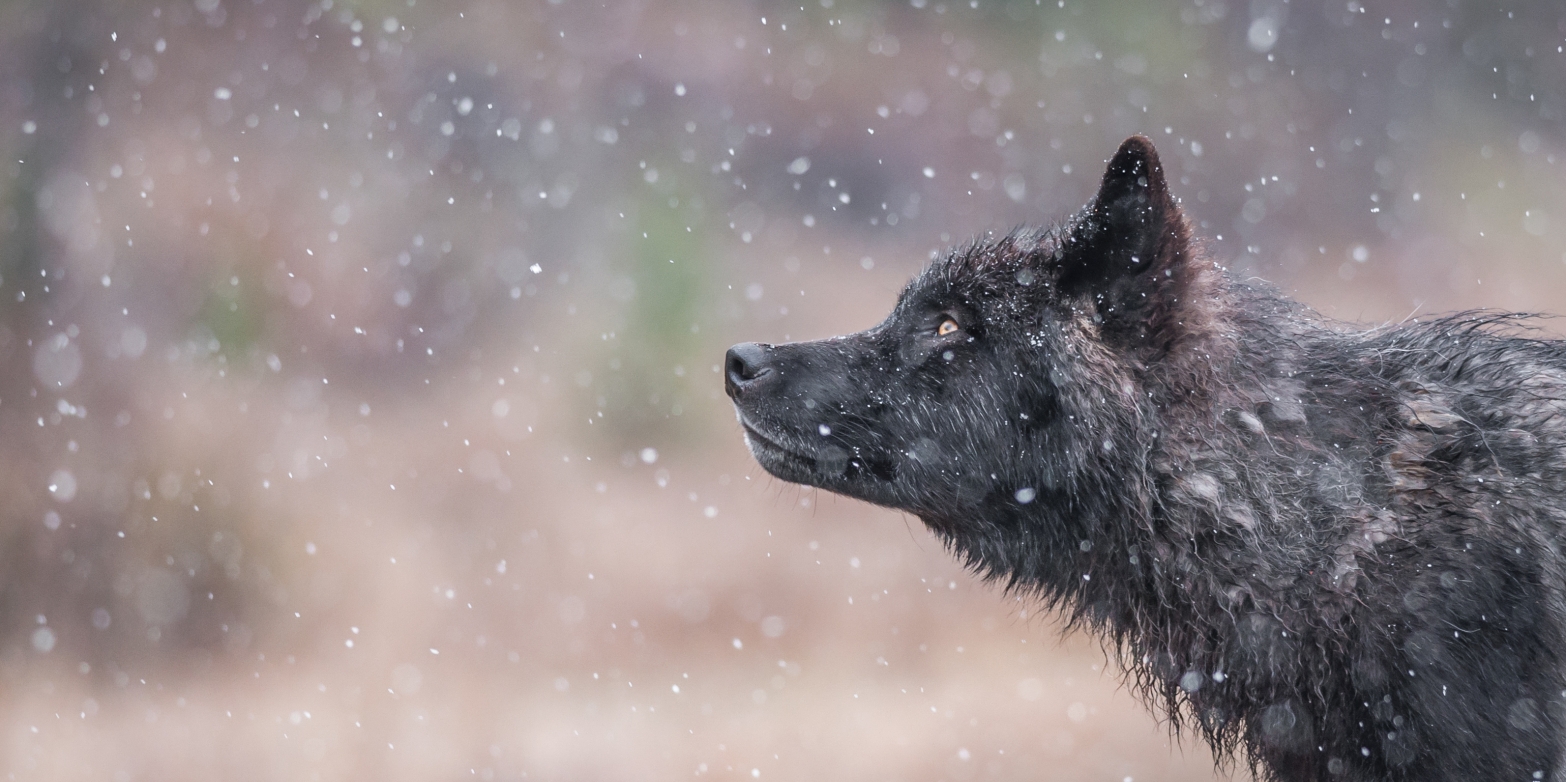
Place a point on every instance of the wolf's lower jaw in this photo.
(777, 459)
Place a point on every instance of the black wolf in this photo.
(1336, 550)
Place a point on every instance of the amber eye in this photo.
(947, 326)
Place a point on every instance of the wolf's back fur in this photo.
(1336, 550)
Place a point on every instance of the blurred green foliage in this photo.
(659, 279)
(234, 308)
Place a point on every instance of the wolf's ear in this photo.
(1130, 246)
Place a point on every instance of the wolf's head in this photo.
(1011, 372)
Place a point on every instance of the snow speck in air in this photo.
(1267, 19)
(132, 342)
(1192, 681)
(1016, 187)
(649, 455)
(738, 644)
(57, 362)
(43, 640)
(799, 166)
(1360, 253)
(1026, 495)
(772, 626)
(62, 485)
(52, 520)
(300, 293)
(1254, 211)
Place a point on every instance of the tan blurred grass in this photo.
(885, 661)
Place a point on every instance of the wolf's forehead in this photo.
(993, 256)
(989, 265)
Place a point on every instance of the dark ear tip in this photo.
(1137, 144)
(1135, 156)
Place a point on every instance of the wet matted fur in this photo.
(1335, 550)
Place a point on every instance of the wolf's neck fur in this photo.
(1144, 540)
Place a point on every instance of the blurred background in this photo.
(360, 414)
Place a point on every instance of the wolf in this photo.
(1335, 552)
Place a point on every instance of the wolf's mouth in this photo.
(827, 466)
(775, 456)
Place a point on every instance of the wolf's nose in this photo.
(745, 364)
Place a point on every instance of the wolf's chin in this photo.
(829, 468)
(781, 462)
